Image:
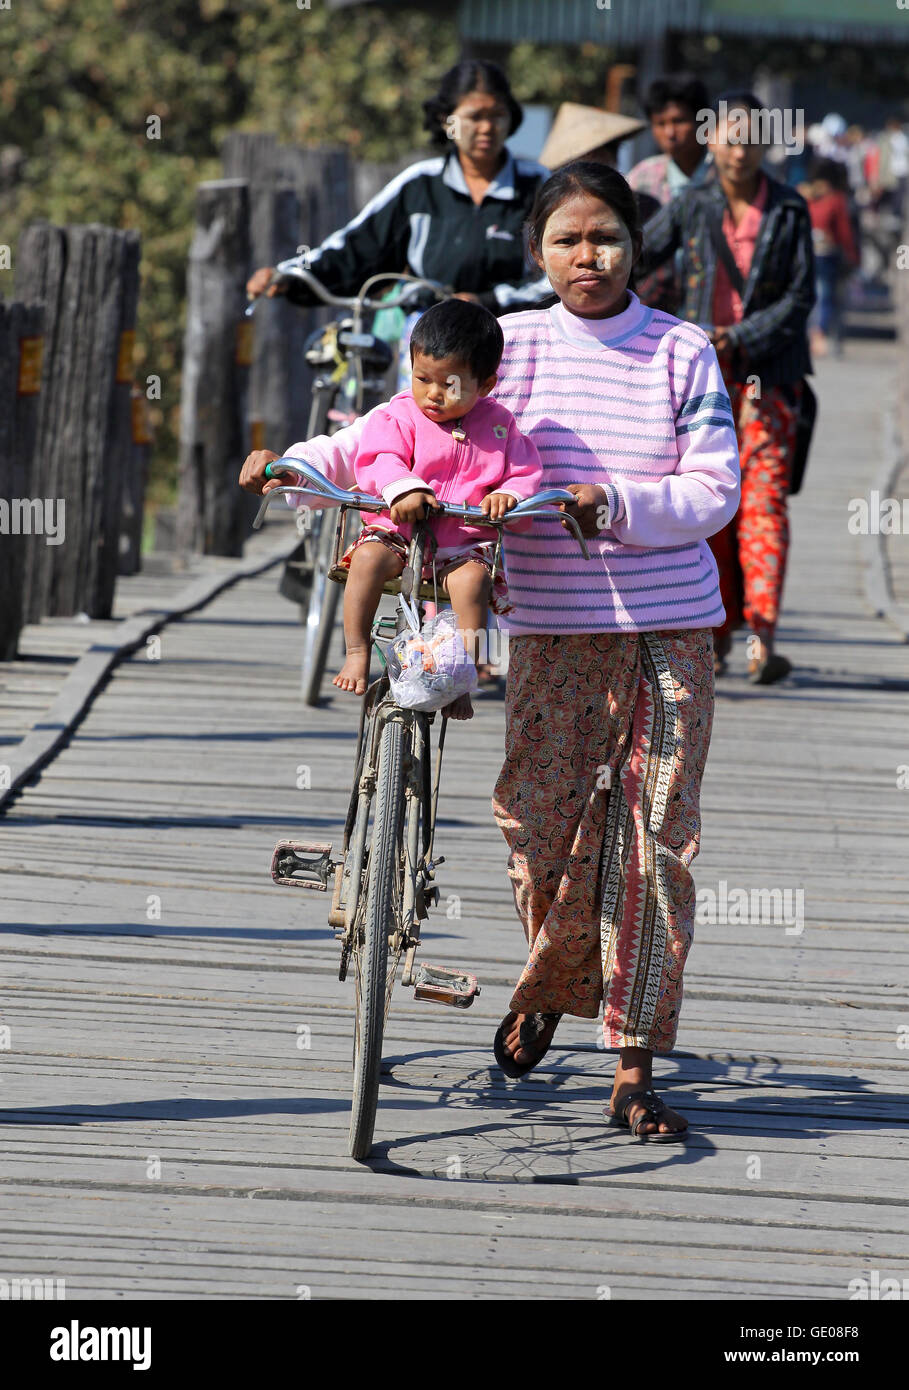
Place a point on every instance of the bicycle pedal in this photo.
(441, 985)
(299, 865)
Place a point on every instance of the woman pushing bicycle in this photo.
(610, 693)
(457, 217)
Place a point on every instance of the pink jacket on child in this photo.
(495, 457)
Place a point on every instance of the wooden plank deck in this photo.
(50, 649)
(164, 1136)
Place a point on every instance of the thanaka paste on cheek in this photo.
(610, 258)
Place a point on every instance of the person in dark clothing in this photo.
(457, 217)
(675, 105)
(748, 279)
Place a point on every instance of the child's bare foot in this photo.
(354, 674)
(461, 708)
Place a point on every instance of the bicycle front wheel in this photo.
(381, 918)
(321, 614)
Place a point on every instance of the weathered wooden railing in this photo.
(87, 279)
(296, 197)
(245, 382)
(21, 533)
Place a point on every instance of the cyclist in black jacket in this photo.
(457, 217)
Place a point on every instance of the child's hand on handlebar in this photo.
(411, 506)
(496, 504)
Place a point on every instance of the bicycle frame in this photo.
(422, 798)
(384, 881)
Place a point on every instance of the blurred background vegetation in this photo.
(79, 81)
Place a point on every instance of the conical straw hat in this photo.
(577, 130)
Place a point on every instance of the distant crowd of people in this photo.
(854, 181)
(731, 249)
(714, 254)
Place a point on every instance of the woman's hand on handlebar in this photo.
(252, 474)
(588, 500)
(260, 283)
(411, 506)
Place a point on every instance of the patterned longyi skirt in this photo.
(599, 803)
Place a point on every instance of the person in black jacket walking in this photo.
(457, 217)
(748, 280)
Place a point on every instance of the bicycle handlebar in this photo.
(290, 269)
(539, 505)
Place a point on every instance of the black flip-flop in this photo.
(531, 1029)
(654, 1110)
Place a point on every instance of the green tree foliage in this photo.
(79, 82)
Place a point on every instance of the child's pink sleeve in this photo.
(384, 463)
(523, 475)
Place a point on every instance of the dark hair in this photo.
(832, 171)
(472, 75)
(683, 88)
(585, 176)
(737, 99)
(462, 330)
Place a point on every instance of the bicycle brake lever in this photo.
(572, 522)
(266, 501)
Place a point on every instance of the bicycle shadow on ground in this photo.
(529, 1130)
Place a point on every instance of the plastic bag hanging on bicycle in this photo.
(428, 666)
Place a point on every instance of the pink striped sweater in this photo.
(637, 405)
(634, 403)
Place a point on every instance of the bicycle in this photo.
(359, 363)
(383, 884)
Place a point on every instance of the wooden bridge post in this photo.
(21, 347)
(134, 483)
(279, 378)
(297, 197)
(213, 514)
(87, 279)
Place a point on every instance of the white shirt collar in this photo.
(502, 185)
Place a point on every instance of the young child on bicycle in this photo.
(443, 441)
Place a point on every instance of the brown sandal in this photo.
(654, 1109)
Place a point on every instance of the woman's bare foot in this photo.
(635, 1073)
(768, 666)
(354, 674)
(512, 1036)
(461, 708)
(762, 651)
